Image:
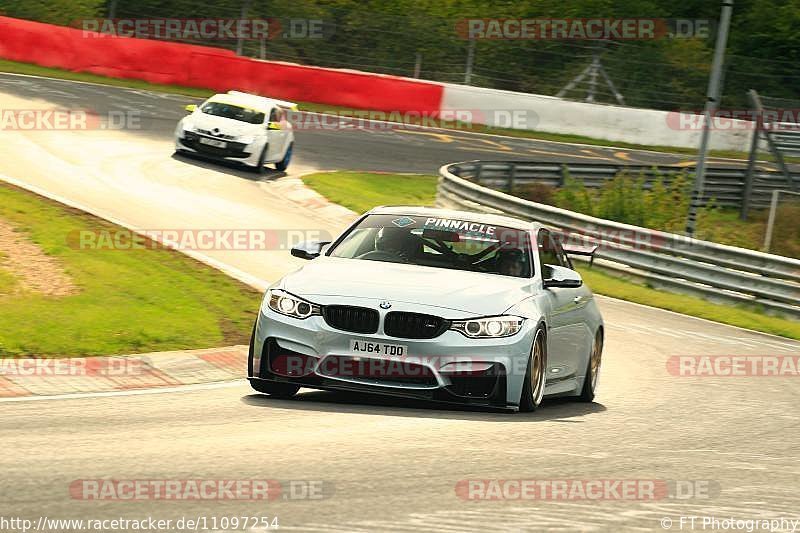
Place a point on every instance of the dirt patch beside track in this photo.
(35, 270)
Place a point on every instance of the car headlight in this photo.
(488, 327)
(287, 304)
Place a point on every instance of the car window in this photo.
(563, 258)
(547, 249)
(221, 109)
(437, 242)
(273, 115)
(550, 250)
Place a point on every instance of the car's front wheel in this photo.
(284, 164)
(278, 390)
(592, 369)
(533, 388)
(260, 168)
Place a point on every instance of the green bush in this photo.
(632, 200)
(540, 193)
(64, 12)
(574, 195)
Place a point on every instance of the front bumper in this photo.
(449, 368)
(234, 151)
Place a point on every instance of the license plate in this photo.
(378, 348)
(213, 142)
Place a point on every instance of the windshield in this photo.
(439, 242)
(219, 109)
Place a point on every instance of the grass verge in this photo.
(36, 70)
(130, 301)
(602, 283)
(361, 191)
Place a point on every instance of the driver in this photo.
(393, 240)
(511, 262)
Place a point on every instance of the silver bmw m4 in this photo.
(431, 304)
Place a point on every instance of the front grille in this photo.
(217, 135)
(348, 318)
(234, 149)
(414, 325)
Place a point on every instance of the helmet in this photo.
(390, 239)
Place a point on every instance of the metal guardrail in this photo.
(726, 186)
(673, 262)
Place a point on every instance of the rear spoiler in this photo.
(280, 103)
(587, 251)
(286, 105)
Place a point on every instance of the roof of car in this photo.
(431, 212)
(252, 101)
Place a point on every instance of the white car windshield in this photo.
(439, 242)
(220, 109)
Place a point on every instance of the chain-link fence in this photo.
(427, 40)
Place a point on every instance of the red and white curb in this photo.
(29, 377)
(295, 191)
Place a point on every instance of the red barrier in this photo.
(211, 68)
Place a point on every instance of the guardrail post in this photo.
(747, 192)
(478, 171)
(773, 206)
(511, 176)
(562, 175)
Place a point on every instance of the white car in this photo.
(432, 304)
(238, 127)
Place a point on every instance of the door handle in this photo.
(578, 299)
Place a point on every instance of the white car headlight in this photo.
(488, 327)
(287, 304)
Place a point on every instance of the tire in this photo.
(535, 375)
(260, 168)
(276, 390)
(284, 164)
(250, 370)
(592, 369)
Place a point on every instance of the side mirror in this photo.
(273, 125)
(191, 108)
(308, 249)
(558, 276)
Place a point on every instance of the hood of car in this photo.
(226, 126)
(470, 292)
